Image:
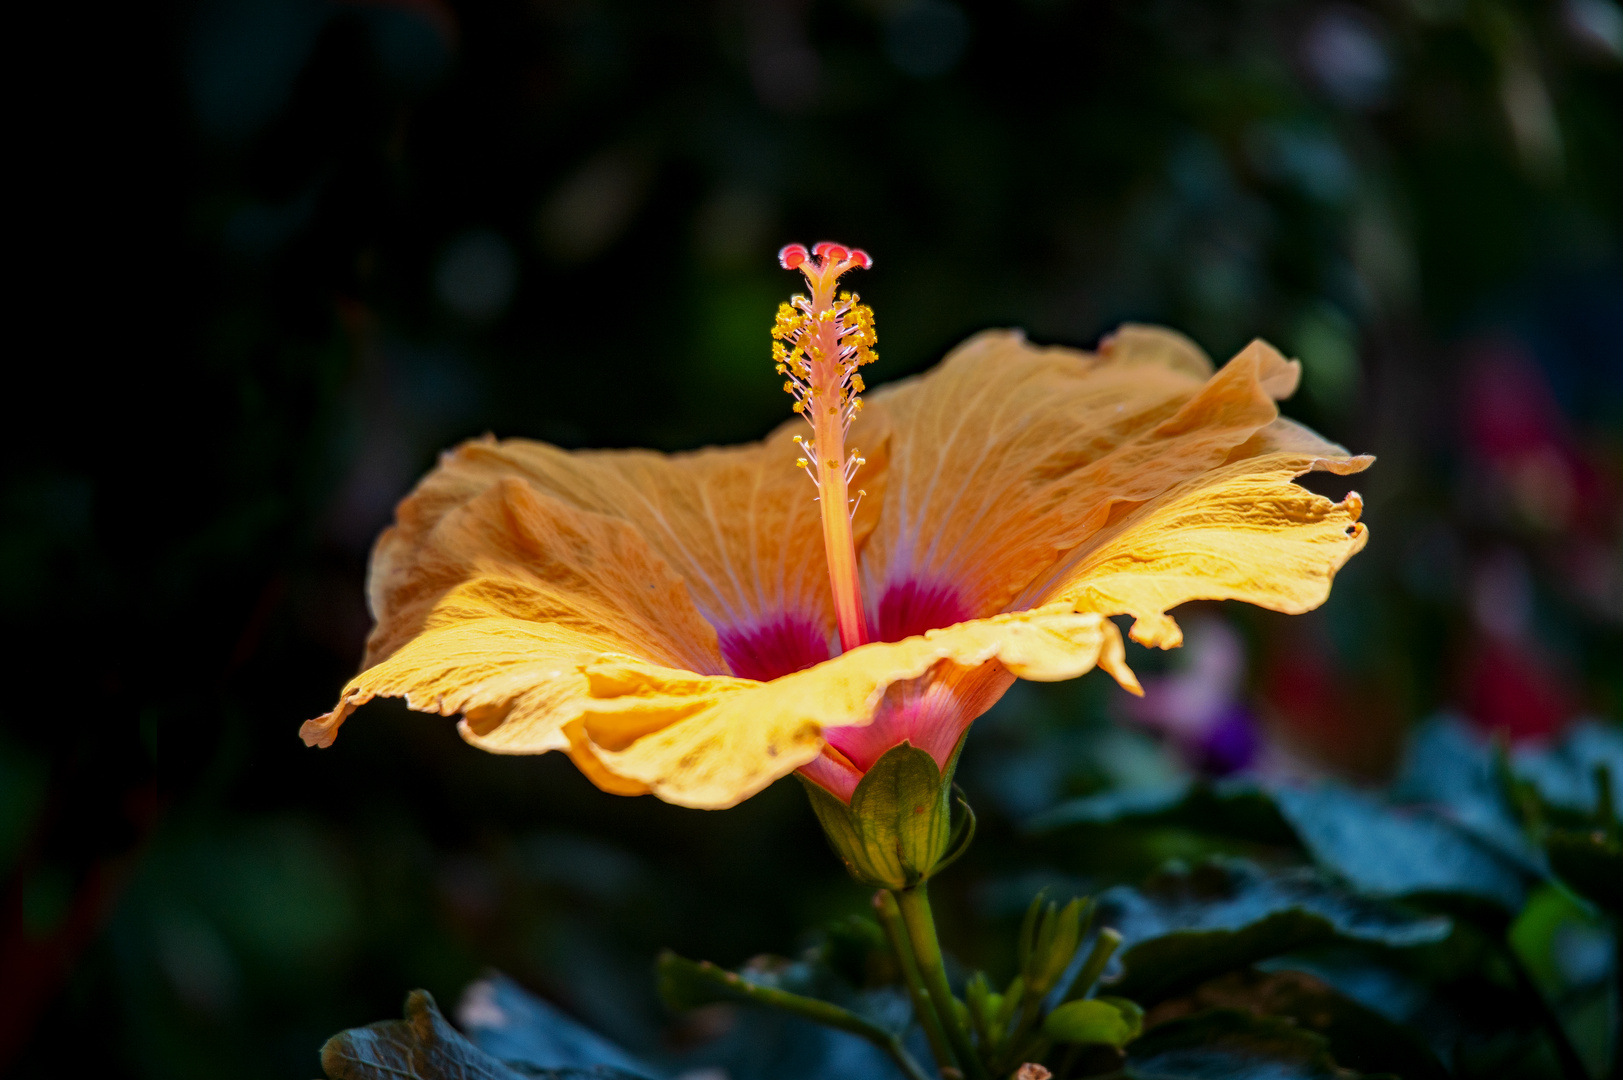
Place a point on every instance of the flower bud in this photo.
(897, 830)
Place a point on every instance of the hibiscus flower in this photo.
(699, 625)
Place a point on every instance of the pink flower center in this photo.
(774, 647)
(932, 713)
(911, 607)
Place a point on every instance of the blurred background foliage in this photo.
(288, 250)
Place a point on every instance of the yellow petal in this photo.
(1240, 532)
(1008, 454)
(712, 742)
(515, 591)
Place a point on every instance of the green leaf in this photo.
(1099, 1020)
(424, 1046)
(1226, 1044)
(1357, 1037)
(1184, 926)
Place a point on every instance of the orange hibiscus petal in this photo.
(1008, 455)
(1289, 437)
(513, 592)
(738, 524)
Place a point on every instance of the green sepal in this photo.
(897, 830)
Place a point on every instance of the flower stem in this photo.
(914, 906)
(890, 917)
(818, 1011)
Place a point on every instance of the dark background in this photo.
(274, 255)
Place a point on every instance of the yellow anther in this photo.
(801, 462)
(857, 384)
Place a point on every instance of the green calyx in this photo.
(898, 830)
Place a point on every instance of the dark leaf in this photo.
(1461, 839)
(1451, 770)
(1227, 1044)
(515, 1026)
(1564, 774)
(1237, 808)
(1357, 1037)
(424, 1046)
(767, 1044)
(1591, 863)
(855, 949)
(1390, 852)
(1184, 926)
